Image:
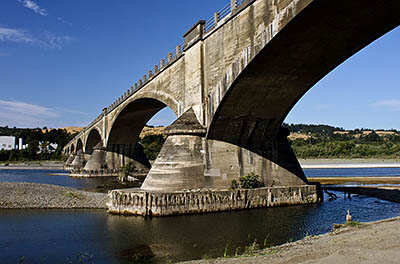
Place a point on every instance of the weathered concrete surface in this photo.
(82, 173)
(79, 161)
(68, 162)
(189, 161)
(290, 46)
(152, 203)
(241, 78)
(97, 160)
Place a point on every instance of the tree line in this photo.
(351, 144)
(33, 137)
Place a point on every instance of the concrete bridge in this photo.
(231, 84)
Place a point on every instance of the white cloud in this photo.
(15, 35)
(22, 114)
(391, 104)
(53, 41)
(34, 7)
(47, 39)
(64, 21)
(27, 109)
(16, 113)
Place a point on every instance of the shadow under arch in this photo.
(93, 139)
(318, 39)
(79, 146)
(125, 131)
(72, 149)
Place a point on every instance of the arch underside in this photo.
(79, 146)
(93, 140)
(128, 125)
(313, 43)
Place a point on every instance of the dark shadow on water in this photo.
(385, 194)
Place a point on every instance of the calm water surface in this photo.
(56, 177)
(57, 236)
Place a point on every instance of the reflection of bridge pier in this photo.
(234, 79)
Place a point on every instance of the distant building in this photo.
(10, 142)
(7, 142)
(46, 147)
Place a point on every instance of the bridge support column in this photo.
(79, 161)
(190, 161)
(180, 163)
(68, 162)
(274, 161)
(97, 160)
(193, 175)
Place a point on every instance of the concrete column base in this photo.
(179, 165)
(153, 203)
(68, 162)
(79, 161)
(97, 160)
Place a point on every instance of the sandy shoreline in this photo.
(44, 165)
(22, 195)
(375, 242)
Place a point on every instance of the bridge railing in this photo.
(218, 16)
(170, 58)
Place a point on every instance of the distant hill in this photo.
(72, 130)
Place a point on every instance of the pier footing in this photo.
(153, 203)
(93, 173)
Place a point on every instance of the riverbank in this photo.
(349, 163)
(32, 165)
(22, 195)
(375, 242)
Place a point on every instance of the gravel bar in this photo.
(22, 195)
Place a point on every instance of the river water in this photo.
(94, 236)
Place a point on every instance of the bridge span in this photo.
(231, 83)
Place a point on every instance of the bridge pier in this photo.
(190, 167)
(97, 159)
(104, 163)
(79, 161)
(180, 163)
(68, 162)
(190, 161)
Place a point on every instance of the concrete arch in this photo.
(79, 146)
(93, 139)
(133, 117)
(267, 81)
(122, 145)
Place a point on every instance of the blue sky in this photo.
(62, 61)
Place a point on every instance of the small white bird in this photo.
(348, 217)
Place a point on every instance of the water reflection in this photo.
(59, 235)
(54, 236)
(56, 177)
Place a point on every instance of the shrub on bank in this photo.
(248, 181)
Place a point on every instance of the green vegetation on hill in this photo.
(313, 129)
(346, 144)
(152, 145)
(319, 141)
